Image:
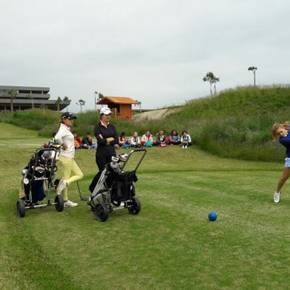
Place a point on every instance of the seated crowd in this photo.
(160, 139)
(84, 143)
(135, 141)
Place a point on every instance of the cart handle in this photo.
(141, 159)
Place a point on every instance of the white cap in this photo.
(105, 111)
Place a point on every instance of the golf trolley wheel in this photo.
(135, 206)
(20, 207)
(59, 203)
(116, 203)
(101, 213)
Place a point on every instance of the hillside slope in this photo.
(236, 123)
(154, 114)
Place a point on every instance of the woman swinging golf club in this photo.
(70, 171)
(281, 133)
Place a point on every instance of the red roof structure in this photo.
(120, 106)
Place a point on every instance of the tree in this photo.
(98, 97)
(81, 103)
(58, 103)
(66, 100)
(212, 80)
(30, 96)
(12, 94)
(253, 69)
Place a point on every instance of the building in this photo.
(120, 106)
(18, 98)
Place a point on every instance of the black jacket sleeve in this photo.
(98, 134)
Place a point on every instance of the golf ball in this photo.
(212, 216)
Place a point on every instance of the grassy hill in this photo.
(236, 123)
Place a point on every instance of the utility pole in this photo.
(253, 69)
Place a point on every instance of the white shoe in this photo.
(70, 203)
(277, 197)
(61, 186)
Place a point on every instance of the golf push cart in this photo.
(114, 186)
(38, 180)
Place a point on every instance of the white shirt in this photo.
(185, 138)
(135, 141)
(65, 136)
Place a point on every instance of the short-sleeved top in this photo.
(65, 136)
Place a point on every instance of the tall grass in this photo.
(44, 121)
(236, 123)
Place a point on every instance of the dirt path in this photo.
(153, 115)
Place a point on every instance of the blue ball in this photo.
(212, 216)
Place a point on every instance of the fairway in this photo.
(169, 245)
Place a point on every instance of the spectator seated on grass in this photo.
(135, 140)
(174, 138)
(147, 139)
(78, 141)
(123, 141)
(87, 142)
(161, 139)
(185, 139)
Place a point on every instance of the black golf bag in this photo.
(115, 187)
(37, 178)
(41, 168)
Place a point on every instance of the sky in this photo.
(155, 51)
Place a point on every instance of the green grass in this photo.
(169, 245)
(44, 121)
(236, 123)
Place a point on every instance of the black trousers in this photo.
(103, 157)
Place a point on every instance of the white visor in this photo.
(105, 111)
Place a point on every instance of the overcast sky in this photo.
(155, 51)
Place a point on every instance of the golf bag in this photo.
(40, 168)
(115, 186)
(37, 178)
